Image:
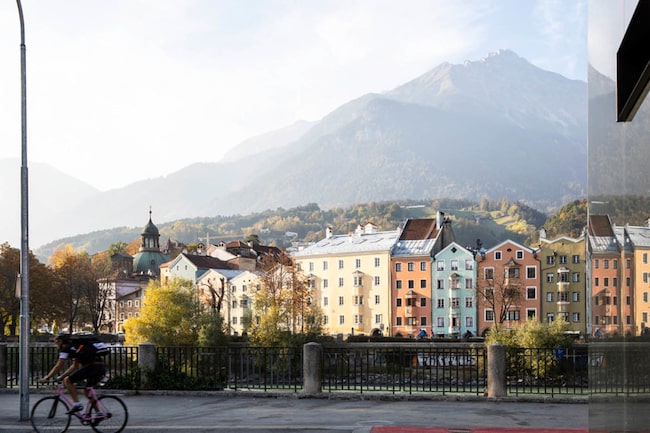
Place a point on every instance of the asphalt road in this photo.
(180, 413)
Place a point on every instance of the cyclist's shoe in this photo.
(76, 408)
(97, 418)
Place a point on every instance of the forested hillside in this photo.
(490, 221)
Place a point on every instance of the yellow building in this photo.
(640, 239)
(564, 281)
(350, 276)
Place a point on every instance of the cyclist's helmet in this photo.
(63, 336)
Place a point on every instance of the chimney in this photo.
(439, 216)
(370, 228)
(328, 232)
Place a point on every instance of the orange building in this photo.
(508, 286)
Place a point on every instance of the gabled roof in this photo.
(419, 229)
(202, 262)
(639, 236)
(602, 236)
(600, 226)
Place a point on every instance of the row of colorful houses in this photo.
(419, 278)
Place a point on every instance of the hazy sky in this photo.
(124, 90)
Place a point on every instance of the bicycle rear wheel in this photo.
(115, 415)
(49, 415)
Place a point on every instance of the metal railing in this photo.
(397, 368)
(405, 368)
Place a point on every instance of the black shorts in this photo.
(91, 373)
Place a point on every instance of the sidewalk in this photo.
(243, 412)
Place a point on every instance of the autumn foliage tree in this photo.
(170, 316)
(499, 293)
(283, 304)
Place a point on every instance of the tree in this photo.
(499, 293)
(283, 304)
(170, 316)
(77, 285)
(40, 277)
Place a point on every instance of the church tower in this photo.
(149, 258)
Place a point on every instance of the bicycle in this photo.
(104, 414)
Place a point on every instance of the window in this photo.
(469, 264)
(326, 320)
(441, 303)
(628, 263)
(615, 264)
(531, 292)
(398, 284)
(423, 321)
(398, 321)
(615, 282)
(575, 277)
(628, 281)
(645, 297)
(423, 266)
(398, 267)
(326, 283)
(326, 301)
(324, 265)
(575, 296)
(440, 265)
(596, 282)
(358, 300)
(489, 316)
(454, 283)
(340, 281)
(311, 266)
(398, 302)
(358, 281)
(550, 260)
(454, 265)
(411, 321)
(488, 273)
(469, 321)
(411, 284)
(377, 318)
(377, 280)
(645, 317)
(550, 317)
(575, 317)
(549, 296)
(606, 281)
(531, 313)
(440, 284)
(358, 319)
(423, 284)
(497, 255)
(549, 277)
(576, 259)
(341, 319)
(563, 296)
(511, 273)
(357, 263)
(234, 320)
(469, 302)
(645, 258)
(596, 263)
(455, 302)
(563, 275)
(410, 302)
(234, 303)
(440, 322)
(628, 300)
(377, 299)
(410, 266)
(512, 315)
(563, 260)
(605, 263)
(469, 283)
(377, 262)
(340, 264)
(520, 254)
(531, 272)
(341, 300)
(423, 302)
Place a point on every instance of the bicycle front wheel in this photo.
(50, 415)
(113, 417)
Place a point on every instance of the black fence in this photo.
(406, 368)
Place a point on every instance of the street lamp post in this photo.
(24, 231)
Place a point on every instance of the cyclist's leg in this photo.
(79, 375)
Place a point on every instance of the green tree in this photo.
(283, 304)
(170, 316)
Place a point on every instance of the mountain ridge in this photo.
(503, 128)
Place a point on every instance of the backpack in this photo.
(87, 349)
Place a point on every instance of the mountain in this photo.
(498, 127)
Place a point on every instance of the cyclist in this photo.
(92, 369)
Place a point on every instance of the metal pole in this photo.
(24, 245)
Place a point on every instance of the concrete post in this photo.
(496, 371)
(3, 365)
(312, 368)
(146, 362)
